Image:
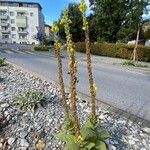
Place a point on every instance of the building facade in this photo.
(48, 33)
(20, 22)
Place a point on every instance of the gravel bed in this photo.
(22, 130)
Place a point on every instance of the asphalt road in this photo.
(127, 89)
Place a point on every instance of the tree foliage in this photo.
(116, 20)
(76, 26)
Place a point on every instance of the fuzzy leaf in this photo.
(89, 145)
(102, 135)
(100, 145)
(69, 139)
(89, 124)
(88, 134)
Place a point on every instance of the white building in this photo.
(20, 22)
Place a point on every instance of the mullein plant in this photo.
(90, 136)
(72, 71)
(57, 47)
(93, 87)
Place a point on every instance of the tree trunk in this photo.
(136, 45)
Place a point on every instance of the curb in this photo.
(112, 110)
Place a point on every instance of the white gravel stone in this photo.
(24, 143)
(4, 105)
(23, 134)
(11, 141)
(147, 130)
(44, 123)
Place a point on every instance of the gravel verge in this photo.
(22, 130)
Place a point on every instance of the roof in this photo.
(24, 2)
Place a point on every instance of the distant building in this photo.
(48, 33)
(20, 22)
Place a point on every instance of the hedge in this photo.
(115, 50)
(42, 48)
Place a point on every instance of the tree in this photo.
(76, 26)
(117, 19)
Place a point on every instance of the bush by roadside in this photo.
(116, 50)
(42, 48)
(2, 62)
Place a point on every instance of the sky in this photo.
(53, 8)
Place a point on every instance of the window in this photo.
(13, 28)
(13, 36)
(5, 36)
(31, 14)
(12, 21)
(22, 37)
(14, 42)
(11, 13)
(4, 28)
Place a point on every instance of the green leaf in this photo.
(103, 135)
(88, 134)
(100, 145)
(69, 139)
(89, 124)
(89, 145)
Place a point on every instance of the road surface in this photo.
(126, 89)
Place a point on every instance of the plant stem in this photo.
(60, 76)
(73, 79)
(89, 67)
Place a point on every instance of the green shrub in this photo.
(131, 63)
(2, 62)
(116, 50)
(42, 48)
(29, 100)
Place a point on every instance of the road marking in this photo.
(29, 52)
(9, 51)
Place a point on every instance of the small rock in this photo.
(11, 141)
(40, 145)
(132, 142)
(112, 147)
(146, 129)
(24, 143)
(4, 105)
(1, 145)
(23, 134)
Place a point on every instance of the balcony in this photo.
(22, 32)
(5, 31)
(5, 24)
(21, 21)
(3, 16)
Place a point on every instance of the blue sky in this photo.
(52, 8)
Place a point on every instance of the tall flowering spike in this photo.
(58, 46)
(55, 28)
(73, 71)
(93, 88)
(83, 6)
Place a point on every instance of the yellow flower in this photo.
(94, 88)
(55, 28)
(83, 7)
(79, 139)
(84, 28)
(62, 21)
(71, 50)
(58, 45)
